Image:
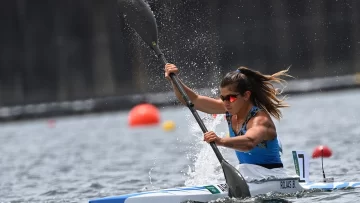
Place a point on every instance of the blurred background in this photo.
(62, 56)
(66, 57)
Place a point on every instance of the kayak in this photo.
(207, 193)
(260, 181)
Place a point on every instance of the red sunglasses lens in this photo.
(232, 98)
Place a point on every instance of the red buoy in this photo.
(144, 114)
(321, 151)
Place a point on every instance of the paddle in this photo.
(142, 20)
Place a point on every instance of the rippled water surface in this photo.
(74, 159)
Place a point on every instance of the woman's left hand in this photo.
(212, 137)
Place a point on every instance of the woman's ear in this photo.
(247, 95)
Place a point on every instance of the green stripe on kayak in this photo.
(212, 189)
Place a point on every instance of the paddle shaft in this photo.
(188, 102)
(141, 18)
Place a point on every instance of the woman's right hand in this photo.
(170, 68)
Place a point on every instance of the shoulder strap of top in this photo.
(251, 114)
(228, 118)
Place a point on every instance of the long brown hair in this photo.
(263, 93)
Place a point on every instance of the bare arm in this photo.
(259, 129)
(201, 103)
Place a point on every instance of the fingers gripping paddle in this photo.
(142, 20)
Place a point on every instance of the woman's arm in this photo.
(259, 129)
(201, 103)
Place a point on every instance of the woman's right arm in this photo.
(201, 103)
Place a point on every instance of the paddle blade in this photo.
(140, 17)
(238, 187)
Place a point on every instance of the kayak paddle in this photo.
(142, 20)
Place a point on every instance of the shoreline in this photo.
(118, 103)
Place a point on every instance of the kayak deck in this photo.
(200, 194)
(212, 192)
(330, 186)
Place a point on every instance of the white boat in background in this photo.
(259, 179)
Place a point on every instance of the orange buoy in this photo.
(143, 114)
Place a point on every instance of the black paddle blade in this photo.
(141, 19)
(238, 187)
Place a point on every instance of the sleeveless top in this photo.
(266, 153)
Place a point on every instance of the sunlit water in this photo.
(85, 157)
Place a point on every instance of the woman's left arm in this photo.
(259, 129)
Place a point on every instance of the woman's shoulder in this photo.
(261, 117)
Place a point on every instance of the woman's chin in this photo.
(231, 111)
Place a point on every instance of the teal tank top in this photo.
(266, 153)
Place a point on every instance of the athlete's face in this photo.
(233, 101)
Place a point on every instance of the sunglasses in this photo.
(230, 97)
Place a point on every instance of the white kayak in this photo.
(207, 193)
(259, 179)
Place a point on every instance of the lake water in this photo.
(74, 159)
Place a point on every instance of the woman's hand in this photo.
(170, 68)
(212, 137)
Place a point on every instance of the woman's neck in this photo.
(241, 115)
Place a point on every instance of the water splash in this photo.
(150, 175)
(206, 168)
(152, 186)
(191, 43)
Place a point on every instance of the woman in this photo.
(248, 99)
